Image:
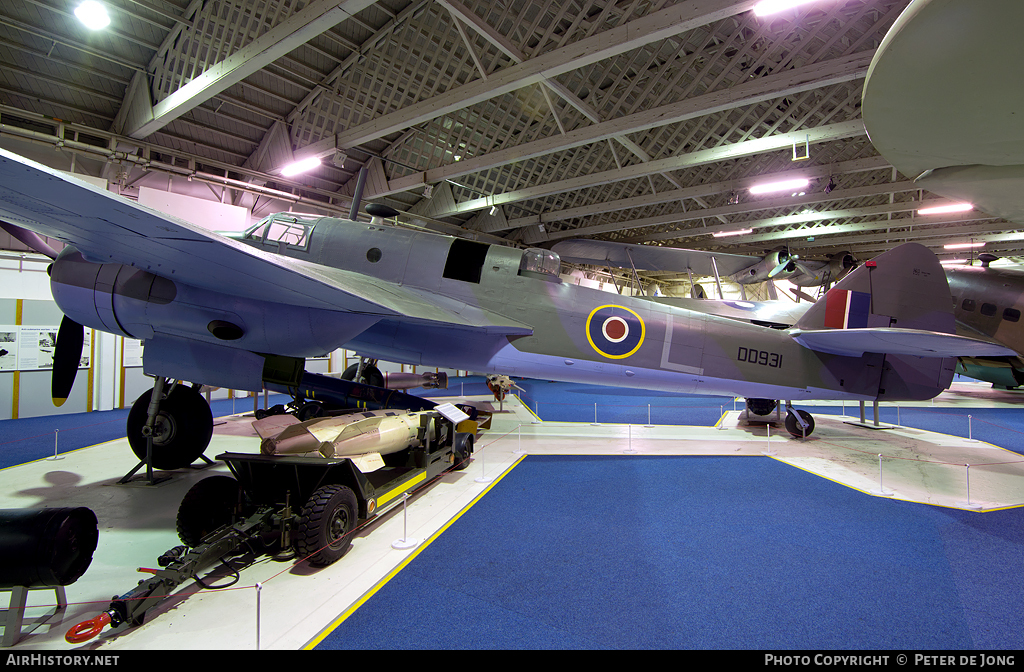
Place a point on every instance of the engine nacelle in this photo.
(130, 302)
(760, 271)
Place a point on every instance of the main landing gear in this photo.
(799, 423)
(169, 427)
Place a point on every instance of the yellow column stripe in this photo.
(17, 374)
(370, 593)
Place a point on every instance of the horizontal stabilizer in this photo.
(893, 341)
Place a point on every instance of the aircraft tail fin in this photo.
(904, 288)
(897, 308)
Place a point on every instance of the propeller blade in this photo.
(29, 238)
(786, 265)
(67, 353)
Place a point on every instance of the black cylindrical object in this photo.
(43, 548)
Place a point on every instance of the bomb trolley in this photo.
(280, 503)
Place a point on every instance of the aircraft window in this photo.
(291, 230)
(988, 309)
(465, 260)
(1011, 315)
(968, 304)
(544, 262)
(373, 255)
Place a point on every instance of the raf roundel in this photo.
(614, 331)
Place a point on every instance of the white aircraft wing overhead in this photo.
(650, 257)
(855, 342)
(107, 228)
(943, 101)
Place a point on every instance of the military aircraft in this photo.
(943, 108)
(244, 311)
(987, 301)
(779, 264)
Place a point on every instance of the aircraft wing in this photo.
(107, 228)
(855, 342)
(650, 257)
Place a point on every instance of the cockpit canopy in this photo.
(284, 228)
(540, 263)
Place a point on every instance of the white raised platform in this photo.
(137, 522)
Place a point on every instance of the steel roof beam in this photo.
(313, 19)
(651, 28)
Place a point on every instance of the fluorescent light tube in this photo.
(722, 234)
(944, 209)
(784, 185)
(303, 166)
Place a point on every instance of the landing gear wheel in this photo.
(462, 450)
(182, 431)
(793, 427)
(325, 525)
(371, 375)
(310, 410)
(208, 505)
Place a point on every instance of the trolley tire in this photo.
(324, 531)
(462, 449)
(208, 505)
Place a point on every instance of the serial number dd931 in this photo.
(762, 357)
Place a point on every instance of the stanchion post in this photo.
(55, 455)
(405, 542)
(259, 594)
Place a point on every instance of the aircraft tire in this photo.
(209, 504)
(310, 410)
(325, 525)
(371, 375)
(793, 427)
(184, 427)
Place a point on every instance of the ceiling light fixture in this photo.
(784, 185)
(945, 209)
(963, 246)
(93, 15)
(723, 234)
(952, 262)
(303, 166)
(766, 7)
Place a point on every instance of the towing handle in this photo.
(88, 629)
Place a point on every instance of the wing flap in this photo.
(892, 341)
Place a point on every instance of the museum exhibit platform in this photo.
(288, 605)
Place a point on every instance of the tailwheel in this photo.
(181, 430)
(800, 427)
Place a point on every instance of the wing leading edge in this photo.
(107, 228)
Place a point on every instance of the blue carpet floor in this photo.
(678, 552)
(698, 552)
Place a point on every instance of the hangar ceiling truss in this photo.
(524, 121)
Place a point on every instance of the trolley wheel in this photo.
(182, 431)
(793, 427)
(462, 449)
(211, 503)
(325, 524)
